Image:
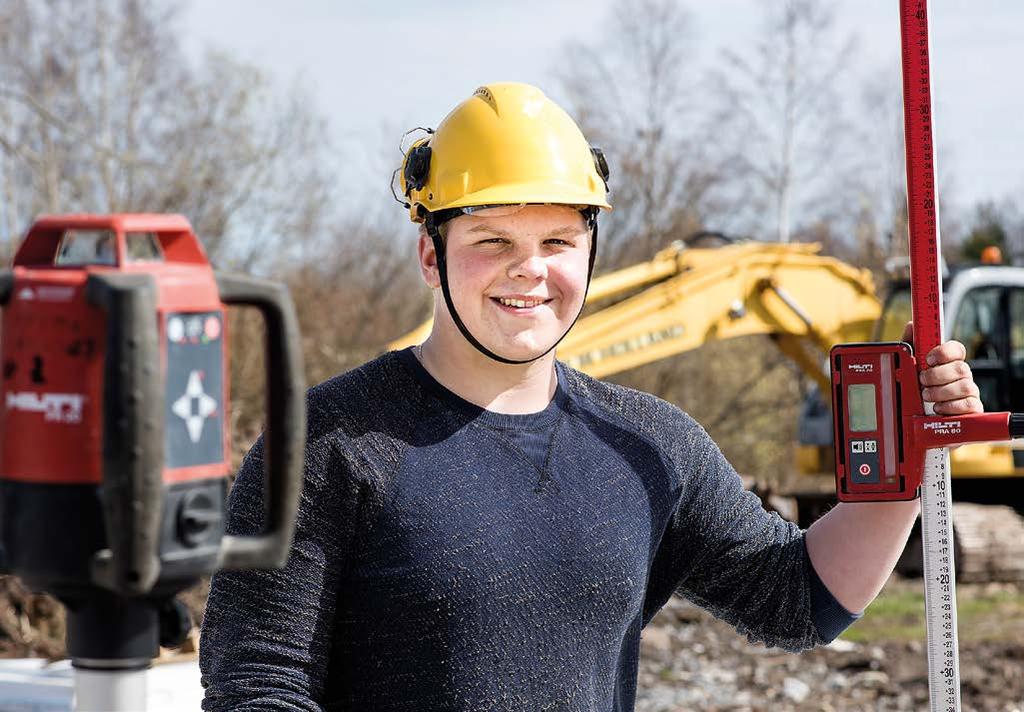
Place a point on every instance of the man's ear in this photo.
(428, 260)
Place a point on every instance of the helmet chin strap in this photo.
(432, 224)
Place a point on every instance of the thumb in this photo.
(908, 333)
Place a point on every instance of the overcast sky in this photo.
(403, 63)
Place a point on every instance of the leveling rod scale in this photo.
(926, 305)
(890, 445)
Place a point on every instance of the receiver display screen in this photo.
(862, 407)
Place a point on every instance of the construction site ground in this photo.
(690, 661)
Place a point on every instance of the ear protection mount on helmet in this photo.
(417, 167)
(600, 164)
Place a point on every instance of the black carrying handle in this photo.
(285, 437)
(131, 493)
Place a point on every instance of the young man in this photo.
(483, 528)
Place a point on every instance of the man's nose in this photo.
(528, 263)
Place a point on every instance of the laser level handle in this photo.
(284, 439)
(131, 494)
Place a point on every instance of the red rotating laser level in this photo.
(114, 450)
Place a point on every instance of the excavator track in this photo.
(990, 542)
(988, 545)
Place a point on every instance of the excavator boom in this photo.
(789, 291)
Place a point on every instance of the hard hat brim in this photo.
(534, 193)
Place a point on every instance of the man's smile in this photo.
(519, 304)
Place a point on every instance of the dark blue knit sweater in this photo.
(447, 557)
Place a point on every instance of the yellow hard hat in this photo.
(507, 144)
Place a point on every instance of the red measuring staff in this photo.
(881, 430)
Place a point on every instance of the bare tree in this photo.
(873, 186)
(100, 111)
(779, 118)
(633, 92)
(883, 187)
(636, 93)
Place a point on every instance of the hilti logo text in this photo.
(55, 407)
(947, 428)
(862, 367)
(942, 425)
(55, 294)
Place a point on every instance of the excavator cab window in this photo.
(895, 315)
(980, 324)
(977, 323)
(990, 323)
(1016, 324)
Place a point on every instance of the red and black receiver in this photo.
(881, 430)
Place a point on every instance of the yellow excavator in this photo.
(711, 287)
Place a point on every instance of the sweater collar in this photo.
(503, 421)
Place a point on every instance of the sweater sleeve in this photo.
(724, 552)
(266, 635)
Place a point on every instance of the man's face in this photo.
(517, 275)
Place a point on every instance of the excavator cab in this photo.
(985, 312)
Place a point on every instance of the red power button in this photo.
(865, 469)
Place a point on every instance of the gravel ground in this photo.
(691, 661)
